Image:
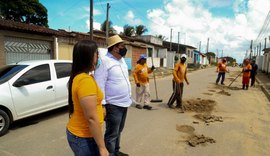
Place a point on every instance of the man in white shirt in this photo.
(113, 79)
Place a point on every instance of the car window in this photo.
(62, 69)
(37, 74)
(7, 72)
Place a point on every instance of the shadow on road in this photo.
(38, 118)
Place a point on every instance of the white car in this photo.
(32, 87)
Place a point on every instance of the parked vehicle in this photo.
(31, 87)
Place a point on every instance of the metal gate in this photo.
(20, 49)
(170, 59)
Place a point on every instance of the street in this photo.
(242, 127)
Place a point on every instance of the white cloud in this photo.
(233, 35)
(96, 25)
(131, 19)
(118, 29)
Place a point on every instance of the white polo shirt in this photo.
(112, 77)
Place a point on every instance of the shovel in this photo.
(157, 99)
(234, 79)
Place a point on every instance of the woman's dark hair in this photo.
(83, 56)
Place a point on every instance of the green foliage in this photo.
(111, 29)
(128, 30)
(140, 29)
(25, 11)
(164, 38)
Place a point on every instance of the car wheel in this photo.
(4, 122)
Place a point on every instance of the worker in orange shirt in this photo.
(221, 70)
(246, 74)
(141, 77)
(179, 76)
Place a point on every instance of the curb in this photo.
(264, 89)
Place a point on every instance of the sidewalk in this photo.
(264, 81)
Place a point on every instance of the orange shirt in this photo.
(247, 67)
(140, 74)
(84, 85)
(221, 67)
(180, 72)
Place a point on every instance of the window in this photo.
(37, 74)
(62, 69)
(7, 72)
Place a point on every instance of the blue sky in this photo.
(230, 24)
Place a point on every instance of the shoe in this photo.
(147, 107)
(138, 106)
(122, 154)
(170, 106)
(222, 84)
(180, 110)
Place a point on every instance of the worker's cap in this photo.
(142, 56)
(114, 40)
(184, 56)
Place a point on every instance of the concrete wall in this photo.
(5, 33)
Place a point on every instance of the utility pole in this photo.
(91, 19)
(207, 46)
(260, 49)
(200, 46)
(178, 42)
(222, 53)
(257, 53)
(250, 55)
(107, 23)
(265, 43)
(171, 40)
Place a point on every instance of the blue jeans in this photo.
(222, 75)
(82, 146)
(115, 122)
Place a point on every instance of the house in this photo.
(156, 52)
(175, 50)
(266, 61)
(20, 41)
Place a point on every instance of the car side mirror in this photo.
(20, 83)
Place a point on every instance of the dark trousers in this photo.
(222, 75)
(252, 77)
(82, 146)
(177, 94)
(115, 122)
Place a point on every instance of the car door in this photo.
(61, 83)
(37, 94)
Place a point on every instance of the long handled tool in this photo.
(157, 99)
(235, 79)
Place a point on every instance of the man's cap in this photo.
(113, 40)
(142, 56)
(184, 55)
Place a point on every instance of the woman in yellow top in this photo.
(179, 76)
(140, 74)
(84, 128)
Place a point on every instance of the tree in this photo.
(140, 29)
(25, 11)
(111, 29)
(164, 38)
(210, 55)
(128, 30)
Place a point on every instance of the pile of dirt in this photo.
(207, 118)
(195, 140)
(212, 90)
(199, 105)
(224, 93)
(234, 88)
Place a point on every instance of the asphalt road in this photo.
(244, 130)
